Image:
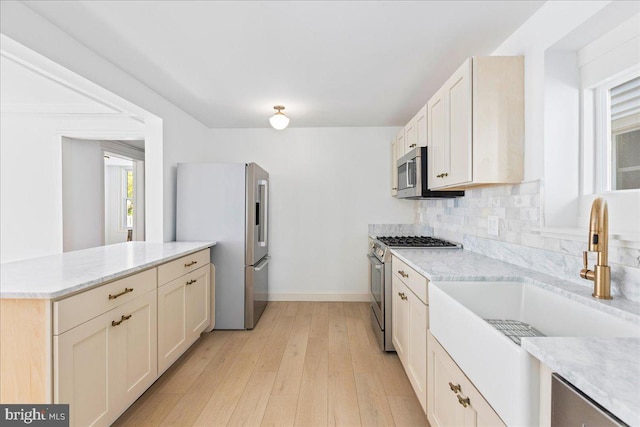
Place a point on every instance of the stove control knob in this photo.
(380, 252)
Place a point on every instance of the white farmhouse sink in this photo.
(505, 374)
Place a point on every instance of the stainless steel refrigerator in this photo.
(229, 203)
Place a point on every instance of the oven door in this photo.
(376, 288)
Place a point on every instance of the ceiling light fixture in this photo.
(279, 121)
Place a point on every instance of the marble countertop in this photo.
(605, 369)
(447, 265)
(58, 275)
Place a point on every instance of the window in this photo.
(127, 193)
(625, 135)
(617, 137)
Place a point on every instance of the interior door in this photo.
(257, 214)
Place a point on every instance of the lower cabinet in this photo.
(452, 399)
(183, 313)
(409, 335)
(103, 365)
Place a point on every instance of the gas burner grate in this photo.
(514, 329)
(415, 242)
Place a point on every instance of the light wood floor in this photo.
(306, 363)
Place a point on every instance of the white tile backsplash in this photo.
(519, 209)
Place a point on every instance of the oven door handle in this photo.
(376, 263)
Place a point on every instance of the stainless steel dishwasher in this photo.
(569, 407)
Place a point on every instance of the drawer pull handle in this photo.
(126, 291)
(403, 297)
(402, 273)
(464, 401)
(191, 282)
(122, 319)
(412, 145)
(191, 263)
(455, 387)
(442, 175)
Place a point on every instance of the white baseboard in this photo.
(319, 297)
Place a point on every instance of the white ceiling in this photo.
(331, 63)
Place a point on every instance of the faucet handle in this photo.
(585, 258)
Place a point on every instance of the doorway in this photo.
(103, 192)
(122, 199)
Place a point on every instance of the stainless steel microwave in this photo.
(412, 177)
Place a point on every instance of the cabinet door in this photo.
(410, 135)
(400, 143)
(172, 317)
(197, 302)
(81, 372)
(133, 354)
(417, 347)
(459, 123)
(443, 408)
(394, 168)
(437, 149)
(399, 318)
(421, 127)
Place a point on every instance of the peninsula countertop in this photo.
(575, 359)
(56, 276)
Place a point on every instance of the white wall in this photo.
(562, 138)
(31, 179)
(552, 22)
(181, 135)
(82, 195)
(327, 184)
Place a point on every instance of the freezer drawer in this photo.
(256, 291)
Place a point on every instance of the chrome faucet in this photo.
(598, 242)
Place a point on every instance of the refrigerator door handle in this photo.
(261, 265)
(263, 185)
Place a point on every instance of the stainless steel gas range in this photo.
(380, 278)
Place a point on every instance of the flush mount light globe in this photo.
(279, 121)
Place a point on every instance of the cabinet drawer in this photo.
(176, 268)
(77, 309)
(449, 388)
(414, 281)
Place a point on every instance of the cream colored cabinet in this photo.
(410, 135)
(409, 325)
(452, 399)
(105, 364)
(414, 133)
(394, 168)
(399, 318)
(401, 143)
(416, 130)
(475, 125)
(183, 313)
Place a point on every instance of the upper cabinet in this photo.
(414, 134)
(416, 130)
(401, 143)
(475, 125)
